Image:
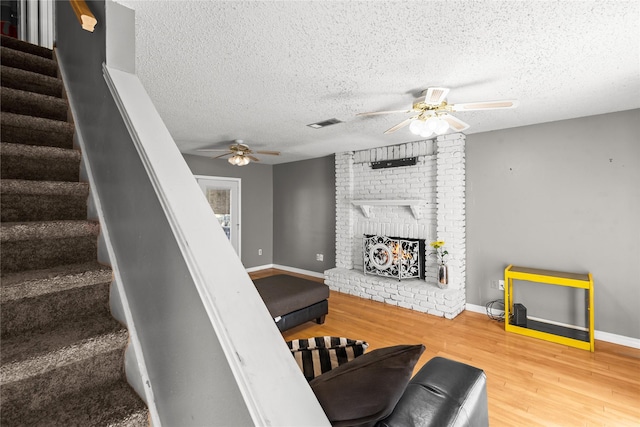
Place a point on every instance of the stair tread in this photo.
(58, 188)
(31, 284)
(35, 200)
(38, 151)
(26, 47)
(32, 353)
(28, 61)
(18, 128)
(14, 231)
(112, 405)
(39, 123)
(31, 103)
(17, 78)
(38, 97)
(39, 162)
(93, 267)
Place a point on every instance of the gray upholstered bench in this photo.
(292, 300)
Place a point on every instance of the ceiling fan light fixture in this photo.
(419, 127)
(239, 160)
(416, 127)
(426, 133)
(432, 124)
(442, 127)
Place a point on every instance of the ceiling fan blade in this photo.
(399, 125)
(255, 159)
(375, 113)
(486, 105)
(222, 155)
(455, 123)
(435, 95)
(212, 149)
(270, 153)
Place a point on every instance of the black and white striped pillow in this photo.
(316, 356)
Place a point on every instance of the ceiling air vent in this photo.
(325, 123)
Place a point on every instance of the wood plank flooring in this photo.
(530, 382)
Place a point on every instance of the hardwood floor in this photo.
(530, 382)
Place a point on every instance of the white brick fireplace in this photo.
(423, 201)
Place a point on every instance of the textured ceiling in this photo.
(262, 70)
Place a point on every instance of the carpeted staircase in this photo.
(61, 351)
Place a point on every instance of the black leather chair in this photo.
(443, 393)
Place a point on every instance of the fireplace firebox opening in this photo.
(397, 257)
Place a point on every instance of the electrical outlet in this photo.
(259, 251)
(497, 284)
(319, 257)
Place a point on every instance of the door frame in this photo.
(237, 200)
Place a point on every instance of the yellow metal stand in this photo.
(545, 331)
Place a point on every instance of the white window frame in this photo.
(235, 199)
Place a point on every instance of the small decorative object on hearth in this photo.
(443, 276)
(440, 253)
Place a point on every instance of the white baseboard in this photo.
(299, 271)
(287, 268)
(258, 268)
(599, 335)
(617, 339)
(476, 308)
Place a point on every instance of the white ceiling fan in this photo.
(432, 113)
(241, 153)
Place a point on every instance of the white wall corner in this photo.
(120, 37)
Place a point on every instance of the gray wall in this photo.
(304, 206)
(257, 204)
(188, 371)
(561, 196)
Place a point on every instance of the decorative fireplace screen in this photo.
(393, 257)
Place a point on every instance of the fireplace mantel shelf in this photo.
(366, 205)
